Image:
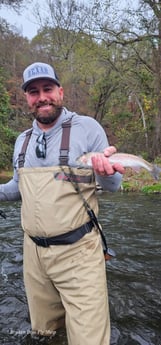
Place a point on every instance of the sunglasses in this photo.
(41, 146)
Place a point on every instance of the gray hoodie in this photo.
(86, 136)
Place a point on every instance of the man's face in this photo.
(45, 100)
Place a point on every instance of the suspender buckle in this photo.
(21, 159)
(64, 152)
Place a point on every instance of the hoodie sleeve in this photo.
(9, 191)
(110, 183)
(98, 142)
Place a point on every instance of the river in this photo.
(131, 224)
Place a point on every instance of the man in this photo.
(64, 266)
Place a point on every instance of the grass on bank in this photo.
(140, 182)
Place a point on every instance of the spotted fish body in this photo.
(125, 159)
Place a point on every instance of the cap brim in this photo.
(26, 84)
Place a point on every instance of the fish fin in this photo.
(136, 169)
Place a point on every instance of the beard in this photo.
(47, 117)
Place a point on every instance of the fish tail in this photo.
(156, 171)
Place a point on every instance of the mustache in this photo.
(41, 103)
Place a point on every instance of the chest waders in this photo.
(76, 234)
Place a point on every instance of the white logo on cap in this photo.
(37, 70)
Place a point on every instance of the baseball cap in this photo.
(39, 70)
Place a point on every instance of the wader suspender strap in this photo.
(63, 159)
(21, 156)
(108, 252)
(64, 148)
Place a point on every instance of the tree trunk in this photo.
(157, 138)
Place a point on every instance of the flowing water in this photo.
(131, 223)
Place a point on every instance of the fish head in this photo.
(85, 160)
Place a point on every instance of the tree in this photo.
(63, 41)
(107, 65)
(7, 135)
(152, 24)
(138, 31)
(15, 4)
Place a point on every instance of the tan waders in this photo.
(68, 282)
(65, 282)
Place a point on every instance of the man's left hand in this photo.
(103, 167)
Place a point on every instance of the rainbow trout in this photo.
(125, 159)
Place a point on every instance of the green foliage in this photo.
(125, 116)
(157, 160)
(134, 185)
(7, 135)
(128, 130)
(156, 188)
(4, 103)
(6, 152)
(7, 140)
(131, 186)
(126, 186)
